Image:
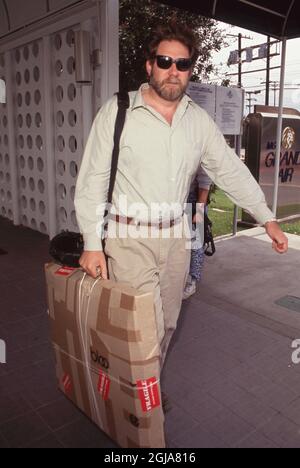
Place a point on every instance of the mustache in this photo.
(171, 82)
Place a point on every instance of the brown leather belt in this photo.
(159, 225)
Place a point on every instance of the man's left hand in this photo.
(280, 240)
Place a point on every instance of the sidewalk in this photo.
(229, 374)
(230, 370)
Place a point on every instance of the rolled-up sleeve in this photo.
(94, 175)
(203, 181)
(230, 174)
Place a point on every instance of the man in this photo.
(166, 139)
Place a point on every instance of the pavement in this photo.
(229, 375)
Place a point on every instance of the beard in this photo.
(169, 89)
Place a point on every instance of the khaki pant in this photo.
(158, 265)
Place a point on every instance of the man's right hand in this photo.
(94, 263)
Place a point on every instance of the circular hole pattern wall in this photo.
(68, 126)
(30, 135)
(6, 209)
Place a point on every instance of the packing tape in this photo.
(84, 341)
(144, 384)
(95, 371)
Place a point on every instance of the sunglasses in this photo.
(165, 62)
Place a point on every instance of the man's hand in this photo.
(280, 240)
(198, 218)
(94, 263)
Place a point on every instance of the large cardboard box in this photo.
(107, 354)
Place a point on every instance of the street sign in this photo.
(249, 54)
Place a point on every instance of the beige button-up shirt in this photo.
(157, 164)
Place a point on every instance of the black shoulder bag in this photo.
(67, 247)
(209, 244)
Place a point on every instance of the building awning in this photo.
(15, 15)
(276, 19)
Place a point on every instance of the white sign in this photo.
(2, 92)
(229, 110)
(263, 51)
(204, 95)
(224, 105)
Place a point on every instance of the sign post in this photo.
(225, 106)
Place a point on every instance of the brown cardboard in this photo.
(106, 347)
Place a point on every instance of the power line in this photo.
(253, 71)
(264, 53)
(274, 88)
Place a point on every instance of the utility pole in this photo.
(250, 98)
(274, 86)
(240, 37)
(268, 72)
(240, 50)
(275, 89)
(249, 105)
(238, 138)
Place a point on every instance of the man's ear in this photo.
(149, 66)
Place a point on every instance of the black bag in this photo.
(67, 247)
(209, 245)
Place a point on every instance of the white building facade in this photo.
(48, 113)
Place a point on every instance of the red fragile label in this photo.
(67, 383)
(103, 385)
(65, 271)
(148, 394)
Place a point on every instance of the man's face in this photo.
(169, 84)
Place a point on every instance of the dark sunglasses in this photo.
(165, 62)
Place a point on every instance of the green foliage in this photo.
(291, 228)
(223, 218)
(139, 17)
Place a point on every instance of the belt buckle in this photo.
(160, 222)
(167, 224)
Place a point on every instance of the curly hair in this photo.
(173, 31)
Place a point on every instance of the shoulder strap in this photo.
(123, 104)
(209, 244)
